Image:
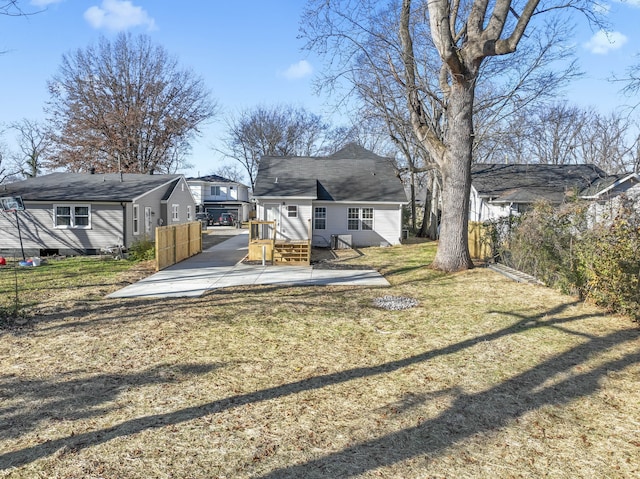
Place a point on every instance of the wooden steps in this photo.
(292, 253)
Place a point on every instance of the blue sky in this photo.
(246, 52)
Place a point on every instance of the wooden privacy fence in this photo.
(478, 244)
(175, 243)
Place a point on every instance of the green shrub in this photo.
(142, 250)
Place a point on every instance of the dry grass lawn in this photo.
(485, 378)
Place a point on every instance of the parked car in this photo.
(226, 219)
(205, 217)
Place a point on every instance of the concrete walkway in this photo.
(221, 266)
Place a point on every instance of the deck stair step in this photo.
(292, 253)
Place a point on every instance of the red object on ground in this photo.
(2, 261)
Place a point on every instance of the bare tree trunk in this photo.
(413, 201)
(423, 232)
(434, 211)
(453, 248)
(429, 227)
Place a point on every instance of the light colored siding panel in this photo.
(387, 224)
(296, 229)
(36, 227)
(181, 196)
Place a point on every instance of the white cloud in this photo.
(604, 42)
(118, 15)
(298, 70)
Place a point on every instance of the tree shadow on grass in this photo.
(468, 414)
(84, 396)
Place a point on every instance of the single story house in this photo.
(351, 198)
(605, 194)
(499, 190)
(81, 213)
(216, 195)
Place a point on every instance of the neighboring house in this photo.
(499, 190)
(80, 213)
(604, 194)
(216, 195)
(354, 195)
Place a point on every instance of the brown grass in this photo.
(484, 378)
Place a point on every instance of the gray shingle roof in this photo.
(86, 187)
(212, 178)
(602, 184)
(351, 174)
(528, 183)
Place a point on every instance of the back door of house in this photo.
(271, 213)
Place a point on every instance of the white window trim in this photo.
(366, 221)
(292, 213)
(317, 218)
(136, 220)
(357, 219)
(189, 215)
(72, 208)
(360, 219)
(175, 212)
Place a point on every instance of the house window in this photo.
(175, 212)
(360, 219)
(367, 218)
(320, 218)
(136, 219)
(72, 216)
(215, 191)
(353, 219)
(292, 211)
(188, 212)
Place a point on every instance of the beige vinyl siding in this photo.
(387, 225)
(38, 232)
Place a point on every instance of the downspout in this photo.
(124, 224)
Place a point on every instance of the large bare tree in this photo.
(281, 130)
(447, 52)
(125, 105)
(609, 141)
(34, 143)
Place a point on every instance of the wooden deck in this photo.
(268, 249)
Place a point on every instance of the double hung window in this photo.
(320, 218)
(72, 216)
(136, 219)
(360, 219)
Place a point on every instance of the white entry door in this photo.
(147, 220)
(271, 213)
